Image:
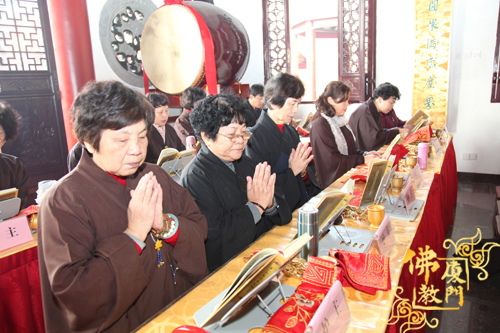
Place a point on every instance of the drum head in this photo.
(172, 49)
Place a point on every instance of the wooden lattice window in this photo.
(357, 46)
(353, 26)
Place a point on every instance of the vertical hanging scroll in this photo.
(432, 53)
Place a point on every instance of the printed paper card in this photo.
(409, 196)
(333, 314)
(384, 238)
(416, 175)
(437, 144)
(14, 231)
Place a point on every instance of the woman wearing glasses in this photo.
(237, 196)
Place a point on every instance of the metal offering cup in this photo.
(376, 214)
(438, 133)
(411, 161)
(397, 183)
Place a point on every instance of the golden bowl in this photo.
(376, 214)
(411, 161)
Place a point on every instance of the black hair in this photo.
(256, 90)
(386, 90)
(158, 100)
(191, 96)
(216, 111)
(280, 87)
(9, 120)
(338, 91)
(107, 105)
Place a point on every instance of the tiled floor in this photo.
(481, 308)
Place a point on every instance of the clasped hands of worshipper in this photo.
(300, 158)
(145, 209)
(260, 188)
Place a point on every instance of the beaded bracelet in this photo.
(173, 226)
(170, 226)
(259, 205)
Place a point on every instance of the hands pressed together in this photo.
(300, 158)
(145, 209)
(260, 188)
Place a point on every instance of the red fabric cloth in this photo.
(436, 219)
(297, 312)
(21, 298)
(400, 151)
(423, 134)
(362, 271)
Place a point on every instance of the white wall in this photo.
(395, 54)
(471, 116)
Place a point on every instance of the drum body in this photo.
(172, 48)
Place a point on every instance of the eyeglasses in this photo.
(235, 137)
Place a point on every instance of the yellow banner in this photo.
(432, 54)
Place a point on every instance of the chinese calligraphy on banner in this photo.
(432, 53)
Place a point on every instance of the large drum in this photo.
(173, 52)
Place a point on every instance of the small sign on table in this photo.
(384, 238)
(14, 231)
(333, 314)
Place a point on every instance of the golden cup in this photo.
(438, 133)
(376, 214)
(397, 184)
(411, 161)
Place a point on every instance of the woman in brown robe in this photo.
(161, 135)
(332, 141)
(109, 257)
(12, 172)
(189, 98)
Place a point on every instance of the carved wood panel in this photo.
(276, 37)
(357, 46)
(28, 82)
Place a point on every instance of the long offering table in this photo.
(370, 313)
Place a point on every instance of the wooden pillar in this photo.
(73, 52)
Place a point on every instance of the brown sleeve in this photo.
(330, 163)
(189, 251)
(86, 274)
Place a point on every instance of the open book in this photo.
(262, 266)
(8, 193)
(419, 118)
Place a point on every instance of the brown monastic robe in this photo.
(12, 174)
(183, 126)
(92, 276)
(366, 124)
(330, 163)
(156, 143)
